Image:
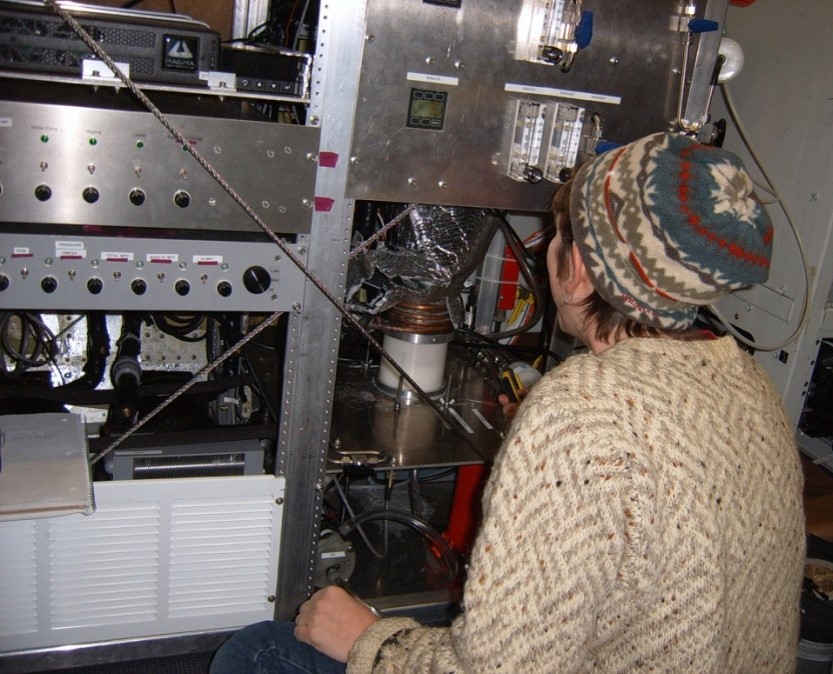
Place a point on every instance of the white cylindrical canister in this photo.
(424, 361)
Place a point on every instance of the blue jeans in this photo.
(271, 648)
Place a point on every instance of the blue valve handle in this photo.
(702, 26)
(584, 30)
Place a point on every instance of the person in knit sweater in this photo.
(644, 513)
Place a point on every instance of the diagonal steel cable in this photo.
(382, 231)
(447, 419)
(182, 389)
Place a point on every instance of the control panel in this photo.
(48, 272)
(87, 166)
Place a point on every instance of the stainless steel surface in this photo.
(700, 75)
(626, 75)
(74, 165)
(430, 607)
(367, 421)
(313, 336)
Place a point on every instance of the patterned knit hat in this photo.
(665, 225)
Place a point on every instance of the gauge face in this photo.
(426, 109)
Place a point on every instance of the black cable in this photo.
(421, 526)
(98, 349)
(496, 345)
(126, 373)
(438, 476)
(180, 325)
(517, 247)
(347, 507)
(23, 389)
(24, 353)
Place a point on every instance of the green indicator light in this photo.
(44, 139)
(93, 141)
(140, 144)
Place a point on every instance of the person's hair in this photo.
(607, 319)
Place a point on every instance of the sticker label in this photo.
(69, 245)
(163, 258)
(434, 79)
(70, 250)
(109, 256)
(562, 93)
(207, 259)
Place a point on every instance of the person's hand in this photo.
(510, 407)
(331, 621)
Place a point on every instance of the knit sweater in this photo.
(644, 514)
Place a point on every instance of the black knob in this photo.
(137, 197)
(95, 286)
(565, 174)
(182, 287)
(43, 192)
(223, 289)
(182, 199)
(552, 54)
(138, 286)
(4, 282)
(533, 174)
(257, 280)
(49, 284)
(90, 195)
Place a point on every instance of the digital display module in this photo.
(426, 109)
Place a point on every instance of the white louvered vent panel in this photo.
(18, 580)
(104, 569)
(220, 553)
(206, 546)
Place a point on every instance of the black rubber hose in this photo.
(403, 517)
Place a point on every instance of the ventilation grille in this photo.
(107, 570)
(18, 580)
(219, 556)
(205, 465)
(55, 28)
(63, 60)
(157, 557)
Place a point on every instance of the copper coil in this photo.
(422, 319)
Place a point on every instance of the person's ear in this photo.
(579, 284)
